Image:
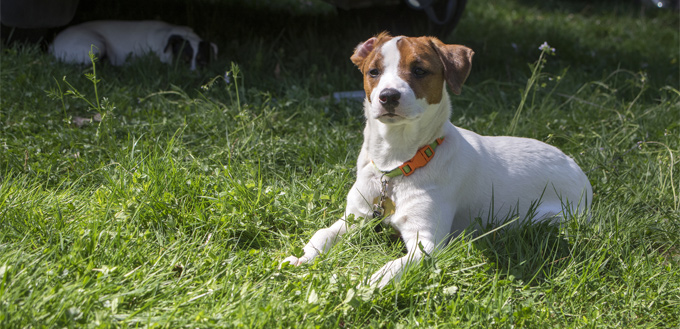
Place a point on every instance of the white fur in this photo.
(470, 176)
(118, 40)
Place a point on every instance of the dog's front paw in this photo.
(379, 280)
(295, 261)
(389, 272)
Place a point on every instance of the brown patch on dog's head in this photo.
(180, 47)
(421, 67)
(364, 52)
(367, 57)
(457, 62)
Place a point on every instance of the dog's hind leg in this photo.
(74, 47)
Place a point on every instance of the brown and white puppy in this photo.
(118, 40)
(439, 178)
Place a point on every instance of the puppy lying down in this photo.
(430, 179)
(118, 40)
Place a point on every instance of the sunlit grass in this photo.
(176, 211)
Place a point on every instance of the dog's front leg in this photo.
(424, 226)
(320, 242)
(325, 238)
(417, 245)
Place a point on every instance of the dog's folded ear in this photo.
(365, 48)
(457, 62)
(362, 51)
(175, 43)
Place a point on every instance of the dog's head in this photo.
(191, 50)
(403, 76)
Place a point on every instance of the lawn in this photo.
(150, 195)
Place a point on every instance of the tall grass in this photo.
(177, 211)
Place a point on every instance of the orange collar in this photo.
(422, 157)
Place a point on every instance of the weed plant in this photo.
(176, 208)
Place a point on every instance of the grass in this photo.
(176, 208)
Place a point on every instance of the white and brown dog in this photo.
(118, 40)
(429, 178)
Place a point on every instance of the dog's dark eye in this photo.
(418, 72)
(374, 73)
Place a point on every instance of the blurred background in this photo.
(282, 37)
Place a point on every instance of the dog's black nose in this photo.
(389, 98)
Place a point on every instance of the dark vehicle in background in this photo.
(439, 17)
(409, 17)
(401, 16)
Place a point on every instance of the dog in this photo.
(429, 179)
(118, 40)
